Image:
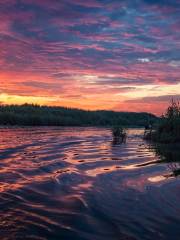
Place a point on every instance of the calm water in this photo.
(74, 183)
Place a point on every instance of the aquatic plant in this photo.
(119, 134)
(169, 153)
(168, 127)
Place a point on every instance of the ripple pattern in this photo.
(74, 183)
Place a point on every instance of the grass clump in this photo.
(119, 134)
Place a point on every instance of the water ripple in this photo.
(74, 183)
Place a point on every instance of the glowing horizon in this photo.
(114, 55)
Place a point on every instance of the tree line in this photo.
(35, 115)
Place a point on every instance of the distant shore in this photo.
(35, 115)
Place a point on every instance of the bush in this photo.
(168, 129)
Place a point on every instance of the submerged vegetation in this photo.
(34, 115)
(168, 127)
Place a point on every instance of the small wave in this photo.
(73, 183)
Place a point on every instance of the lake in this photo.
(75, 183)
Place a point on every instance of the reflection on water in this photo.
(74, 183)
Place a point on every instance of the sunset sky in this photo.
(122, 55)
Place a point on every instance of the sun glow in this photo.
(16, 99)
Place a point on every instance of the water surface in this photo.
(74, 183)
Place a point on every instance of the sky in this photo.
(121, 55)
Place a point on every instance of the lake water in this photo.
(75, 183)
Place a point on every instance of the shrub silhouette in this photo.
(168, 128)
(119, 134)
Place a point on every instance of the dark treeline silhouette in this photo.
(35, 115)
